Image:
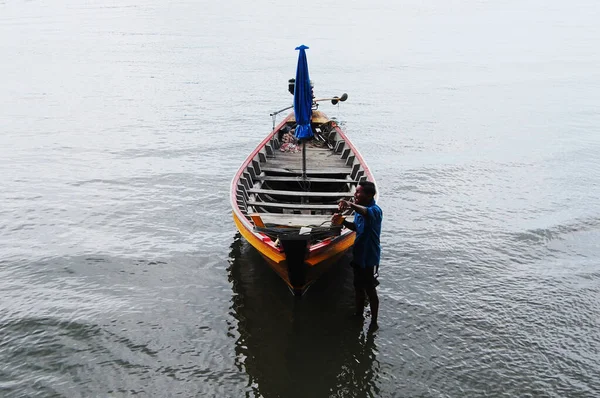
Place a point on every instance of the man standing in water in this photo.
(367, 249)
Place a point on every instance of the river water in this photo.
(122, 124)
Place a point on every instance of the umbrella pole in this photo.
(304, 160)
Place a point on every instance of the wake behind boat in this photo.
(286, 191)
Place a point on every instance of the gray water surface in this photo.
(122, 124)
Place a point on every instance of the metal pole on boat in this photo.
(334, 100)
(274, 114)
(304, 160)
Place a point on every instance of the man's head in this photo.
(364, 193)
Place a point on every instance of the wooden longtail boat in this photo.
(287, 217)
(284, 195)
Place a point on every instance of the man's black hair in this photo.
(368, 187)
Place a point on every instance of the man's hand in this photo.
(337, 219)
(343, 205)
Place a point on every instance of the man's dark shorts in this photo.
(364, 278)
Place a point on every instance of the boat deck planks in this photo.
(317, 158)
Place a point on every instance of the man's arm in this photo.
(345, 204)
(349, 225)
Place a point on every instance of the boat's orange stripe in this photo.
(331, 251)
(262, 247)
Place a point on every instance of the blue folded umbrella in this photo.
(303, 97)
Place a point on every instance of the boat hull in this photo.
(279, 194)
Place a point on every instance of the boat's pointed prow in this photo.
(295, 248)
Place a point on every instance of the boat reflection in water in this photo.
(292, 347)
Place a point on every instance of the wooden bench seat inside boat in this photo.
(296, 220)
(293, 206)
(301, 193)
(309, 172)
(309, 179)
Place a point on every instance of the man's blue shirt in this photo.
(367, 249)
